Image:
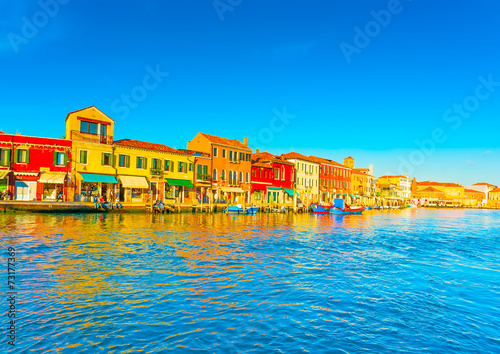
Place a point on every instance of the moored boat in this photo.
(237, 209)
(340, 208)
(320, 209)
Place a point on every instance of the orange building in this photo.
(231, 165)
(473, 197)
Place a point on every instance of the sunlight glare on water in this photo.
(406, 281)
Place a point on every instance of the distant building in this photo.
(454, 193)
(473, 197)
(334, 179)
(400, 181)
(363, 183)
(307, 178)
(483, 187)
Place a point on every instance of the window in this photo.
(60, 158)
(214, 173)
(169, 166)
(123, 160)
(230, 177)
(241, 177)
(106, 159)
(283, 174)
(224, 153)
(88, 127)
(182, 166)
(253, 173)
(230, 155)
(155, 164)
(249, 157)
(247, 180)
(260, 173)
(293, 175)
(4, 157)
(142, 163)
(223, 175)
(191, 167)
(242, 156)
(215, 152)
(276, 173)
(22, 156)
(84, 156)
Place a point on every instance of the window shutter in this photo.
(81, 156)
(159, 164)
(113, 160)
(55, 158)
(65, 159)
(127, 161)
(8, 156)
(145, 163)
(27, 156)
(102, 159)
(172, 166)
(137, 164)
(16, 155)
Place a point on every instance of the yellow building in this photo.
(153, 171)
(454, 193)
(363, 184)
(473, 198)
(306, 178)
(400, 181)
(92, 171)
(494, 198)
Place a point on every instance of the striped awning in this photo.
(4, 173)
(133, 181)
(231, 189)
(53, 177)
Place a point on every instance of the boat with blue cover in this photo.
(341, 209)
(237, 209)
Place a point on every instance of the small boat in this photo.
(237, 209)
(341, 209)
(320, 209)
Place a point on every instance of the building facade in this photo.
(400, 181)
(307, 177)
(231, 166)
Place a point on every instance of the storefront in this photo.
(133, 189)
(25, 185)
(96, 185)
(4, 183)
(178, 190)
(52, 184)
(231, 194)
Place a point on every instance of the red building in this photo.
(33, 168)
(334, 179)
(273, 178)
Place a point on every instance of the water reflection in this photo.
(381, 281)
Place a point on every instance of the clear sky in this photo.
(408, 86)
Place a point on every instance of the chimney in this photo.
(245, 141)
(257, 151)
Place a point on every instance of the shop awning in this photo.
(53, 177)
(339, 194)
(357, 196)
(31, 174)
(289, 191)
(94, 177)
(231, 189)
(350, 195)
(133, 181)
(174, 182)
(4, 173)
(273, 189)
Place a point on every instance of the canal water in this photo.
(389, 281)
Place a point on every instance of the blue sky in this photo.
(373, 79)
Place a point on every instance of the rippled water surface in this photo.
(401, 281)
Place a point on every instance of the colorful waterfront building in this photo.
(363, 183)
(454, 193)
(494, 198)
(473, 198)
(231, 166)
(484, 187)
(307, 177)
(92, 168)
(149, 172)
(400, 181)
(273, 179)
(202, 175)
(34, 168)
(334, 180)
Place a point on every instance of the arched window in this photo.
(223, 176)
(248, 178)
(214, 177)
(230, 177)
(241, 176)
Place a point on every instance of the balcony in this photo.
(200, 177)
(156, 172)
(91, 138)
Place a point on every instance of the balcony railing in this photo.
(203, 177)
(91, 138)
(156, 172)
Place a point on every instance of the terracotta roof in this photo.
(484, 184)
(324, 161)
(431, 183)
(473, 191)
(79, 110)
(361, 171)
(431, 189)
(146, 145)
(267, 157)
(2, 132)
(262, 164)
(296, 155)
(348, 157)
(496, 190)
(224, 141)
(398, 176)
